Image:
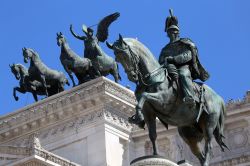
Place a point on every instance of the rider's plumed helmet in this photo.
(171, 22)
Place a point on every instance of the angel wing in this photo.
(102, 29)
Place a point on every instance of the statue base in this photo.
(153, 160)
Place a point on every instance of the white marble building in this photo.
(87, 125)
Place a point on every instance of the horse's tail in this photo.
(219, 131)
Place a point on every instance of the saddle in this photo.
(199, 95)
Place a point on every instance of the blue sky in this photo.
(220, 29)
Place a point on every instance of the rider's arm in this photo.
(162, 57)
(183, 57)
(75, 35)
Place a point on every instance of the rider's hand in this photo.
(169, 59)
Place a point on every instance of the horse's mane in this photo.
(34, 52)
(138, 48)
(22, 66)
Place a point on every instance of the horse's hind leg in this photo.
(209, 128)
(192, 137)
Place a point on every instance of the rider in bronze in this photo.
(180, 57)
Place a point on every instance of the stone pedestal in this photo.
(183, 163)
(152, 161)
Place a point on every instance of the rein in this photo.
(138, 72)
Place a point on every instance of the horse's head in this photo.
(60, 39)
(27, 54)
(125, 55)
(15, 70)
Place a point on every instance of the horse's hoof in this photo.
(137, 121)
(131, 119)
(141, 124)
(16, 98)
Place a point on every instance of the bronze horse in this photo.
(72, 63)
(158, 97)
(25, 83)
(40, 72)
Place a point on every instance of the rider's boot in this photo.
(186, 84)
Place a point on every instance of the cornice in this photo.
(233, 105)
(76, 102)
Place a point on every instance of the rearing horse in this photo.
(25, 84)
(158, 97)
(40, 72)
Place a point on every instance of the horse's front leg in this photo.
(150, 120)
(67, 67)
(138, 118)
(149, 97)
(34, 95)
(70, 75)
(44, 85)
(21, 90)
(115, 72)
(72, 78)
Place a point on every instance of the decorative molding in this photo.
(68, 104)
(32, 163)
(153, 161)
(121, 92)
(239, 103)
(232, 162)
(52, 157)
(14, 150)
(35, 149)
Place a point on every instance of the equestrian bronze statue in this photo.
(160, 96)
(72, 63)
(40, 72)
(102, 63)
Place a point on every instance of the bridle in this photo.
(136, 62)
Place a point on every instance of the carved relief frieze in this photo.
(119, 91)
(117, 120)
